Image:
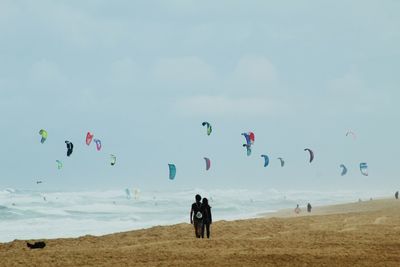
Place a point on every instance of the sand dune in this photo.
(361, 234)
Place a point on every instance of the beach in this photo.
(364, 233)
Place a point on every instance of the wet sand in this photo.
(361, 234)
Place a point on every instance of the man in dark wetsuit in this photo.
(196, 216)
(396, 195)
(309, 207)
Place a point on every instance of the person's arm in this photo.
(191, 215)
(210, 217)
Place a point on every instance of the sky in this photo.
(143, 75)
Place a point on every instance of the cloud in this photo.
(255, 70)
(252, 75)
(183, 70)
(230, 107)
(124, 72)
(246, 90)
(7, 11)
(46, 73)
(351, 93)
(347, 85)
(69, 24)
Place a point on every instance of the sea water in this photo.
(34, 215)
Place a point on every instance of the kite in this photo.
(248, 141)
(70, 148)
(252, 137)
(352, 134)
(98, 144)
(208, 163)
(43, 133)
(113, 159)
(248, 149)
(89, 138)
(266, 160)
(311, 154)
(364, 168)
(59, 164)
(209, 127)
(172, 171)
(344, 169)
(282, 162)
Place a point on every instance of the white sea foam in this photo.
(35, 215)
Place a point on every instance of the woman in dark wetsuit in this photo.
(196, 216)
(207, 219)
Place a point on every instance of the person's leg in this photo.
(195, 228)
(199, 226)
(202, 230)
(208, 230)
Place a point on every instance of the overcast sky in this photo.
(143, 76)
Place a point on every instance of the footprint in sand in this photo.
(262, 237)
(349, 229)
(380, 220)
(352, 219)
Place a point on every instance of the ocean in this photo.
(28, 214)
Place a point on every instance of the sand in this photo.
(360, 234)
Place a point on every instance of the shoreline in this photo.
(341, 208)
(285, 212)
(364, 205)
(361, 233)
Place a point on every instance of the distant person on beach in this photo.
(309, 207)
(207, 219)
(396, 195)
(196, 216)
(297, 209)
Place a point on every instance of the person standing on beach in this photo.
(309, 207)
(196, 216)
(207, 219)
(396, 195)
(297, 209)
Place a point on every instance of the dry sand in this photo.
(361, 234)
